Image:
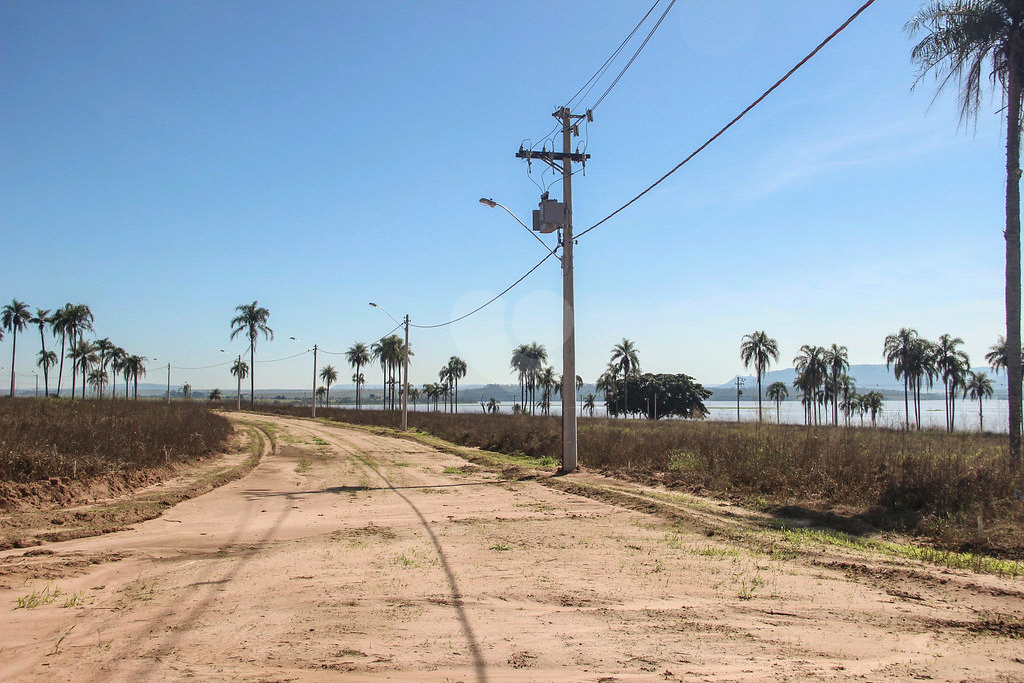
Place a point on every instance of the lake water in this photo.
(933, 413)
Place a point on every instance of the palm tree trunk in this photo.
(252, 373)
(14, 348)
(60, 373)
(1012, 234)
(759, 398)
(46, 366)
(906, 399)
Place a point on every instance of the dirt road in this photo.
(350, 556)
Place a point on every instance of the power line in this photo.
(477, 310)
(738, 117)
(604, 67)
(635, 54)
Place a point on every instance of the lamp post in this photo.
(314, 371)
(568, 326)
(405, 367)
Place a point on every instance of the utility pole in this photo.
(739, 391)
(566, 157)
(405, 379)
(168, 382)
(238, 374)
(314, 381)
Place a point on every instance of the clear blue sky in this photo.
(164, 162)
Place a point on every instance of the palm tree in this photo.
(240, 369)
(251, 321)
(444, 375)
(58, 325)
(357, 356)
(898, 351)
(838, 363)
(520, 364)
(964, 41)
(812, 369)
(329, 375)
(78, 319)
(873, 401)
(14, 318)
(85, 358)
(996, 355)
(321, 391)
(136, 366)
(493, 406)
(777, 392)
(588, 404)
(979, 387)
(358, 379)
(547, 381)
(42, 319)
(457, 370)
(118, 357)
(104, 347)
(46, 360)
(624, 355)
(953, 366)
(759, 350)
(414, 396)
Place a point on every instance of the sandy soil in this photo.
(347, 555)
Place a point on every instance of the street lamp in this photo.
(405, 371)
(296, 339)
(568, 331)
(238, 374)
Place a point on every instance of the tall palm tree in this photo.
(329, 375)
(979, 387)
(965, 41)
(251, 321)
(520, 364)
(78, 319)
(58, 325)
(812, 370)
(14, 318)
(547, 381)
(625, 356)
(759, 350)
(42, 319)
(84, 359)
(457, 370)
(838, 363)
(104, 347)
(953, 366)
(898, 351)
(118, 357)
(357, 356)
(777, 392)
(137, 364)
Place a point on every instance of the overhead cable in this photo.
(738, 117)
(480, 308)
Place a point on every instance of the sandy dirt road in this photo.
(351, 556)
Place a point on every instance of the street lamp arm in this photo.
(491, 203)
(397, 321)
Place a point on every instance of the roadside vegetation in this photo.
(930, 484)
(42, 438)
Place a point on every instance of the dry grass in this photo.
(931, 484)
(42, 438)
